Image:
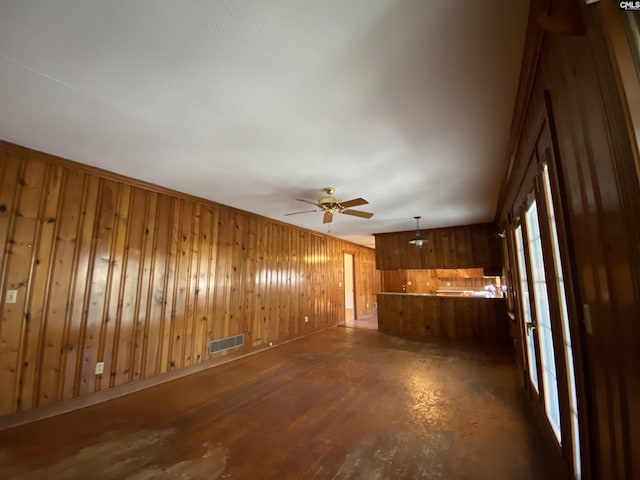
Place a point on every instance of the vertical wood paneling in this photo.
(591, 146)
(58, 311)
(181, 290)
(144, 289)
(192, 288)
(102, 274)
(9, 168)
(80, 292)
(171, 286)
(110, 270)
(274, 285)
(19, 267)
(576, 94)
(46, 232)
(237, 272)
(112, 331)
(156, 304)
(223, 275)
(266, 281)
(367, 282)
(467, 246)
(213, 265)
(201, 293)
(129, 295)
(426, 316)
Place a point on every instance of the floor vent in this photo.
(226, 343)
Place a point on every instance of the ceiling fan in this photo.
(330, 205)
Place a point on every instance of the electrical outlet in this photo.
(306, 319)
(99, 368)
(11, 297)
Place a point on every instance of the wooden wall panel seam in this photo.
(7, 258)
(124, 272)
(11, 225)
(30, 329)
(47, 290)
(109, 326)
(68, 312)
(88, 293)
(175, 247)
(139, 351)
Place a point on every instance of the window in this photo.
(543, 319)
(564, 316)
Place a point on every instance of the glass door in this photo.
(543, 319)
(542, 302)
(525, 308)
(564, 317)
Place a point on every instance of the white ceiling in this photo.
(255, 103)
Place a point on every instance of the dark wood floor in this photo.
(345, 403)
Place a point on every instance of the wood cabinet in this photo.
(468, 246)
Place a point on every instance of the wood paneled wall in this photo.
(478, 320)
(110, 269)
(468, 246)
(594, 150)
(367, 281)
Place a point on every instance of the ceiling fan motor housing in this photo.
(329, 202)
(330, 205)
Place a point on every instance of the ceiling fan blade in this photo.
(307, 201)
(358, 213)
(298, 213)
(354, 203)
(328, 217)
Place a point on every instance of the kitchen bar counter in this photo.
(427, 315)
(446, 295)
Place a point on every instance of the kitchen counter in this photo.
(428, 315)
(447, 295)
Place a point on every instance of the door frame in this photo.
(352, 255)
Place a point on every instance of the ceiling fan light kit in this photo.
(330, 205)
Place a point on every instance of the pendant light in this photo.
(418, 240)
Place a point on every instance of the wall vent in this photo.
(226, 343)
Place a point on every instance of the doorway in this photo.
(349, 290)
